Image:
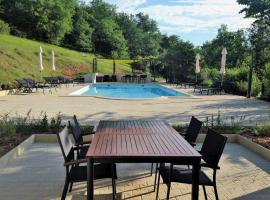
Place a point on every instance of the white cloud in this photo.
(188, 15)
(128, 6)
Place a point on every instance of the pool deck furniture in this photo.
(211, 152)
(190, 84)
(140, 141)
(75, 172)
(216, 88)
(25, 86)
(77, 132)
(53, 82)
(193, 131)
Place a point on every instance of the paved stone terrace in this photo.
(39, 174)
(173, 110)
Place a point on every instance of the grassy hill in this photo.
(19, 59)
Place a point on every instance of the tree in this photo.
(259, 9)
(132, 33)
(168, 42)
(179, 61)
(146, 24)
(101, 10)
(259, 35)
(80, 38)
(108, 38)
(47, 20)
(235, 42)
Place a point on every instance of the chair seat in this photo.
(184, 176)
(79, 173)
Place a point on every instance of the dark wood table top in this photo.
(139, 139)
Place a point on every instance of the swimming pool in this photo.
(128, 91)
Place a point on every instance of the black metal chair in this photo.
(25, 86)
(211, 152)
(214, 89)
(190, 136)
(78, 133)
(36, 85)
(75, 172)
(193, 131)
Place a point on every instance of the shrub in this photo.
(210, 75)
(4, 27)
(29, 124)
(7, 125)
(237, 74)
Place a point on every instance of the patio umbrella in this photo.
(223, 63)
(40, 64)
(53, 61)
(198, 69)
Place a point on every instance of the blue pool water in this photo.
(128, 91)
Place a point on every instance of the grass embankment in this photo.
(19, 59)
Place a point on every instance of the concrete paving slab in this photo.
(232, 108)
(39, 174)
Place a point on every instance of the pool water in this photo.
(128, 91)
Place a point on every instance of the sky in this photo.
(193, 20)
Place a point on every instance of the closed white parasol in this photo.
(40, 64)
(53, 61)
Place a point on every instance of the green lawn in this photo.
(19, 59)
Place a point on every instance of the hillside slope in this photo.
(19, 59)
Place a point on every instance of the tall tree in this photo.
(101, 10)
(259, 9)
(259, 35)
(179, 61)
(80, 38)
(235, 42)
(108, 39)
(47, 20)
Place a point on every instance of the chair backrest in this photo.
(66, 144)
(76, 130)
(30, 81)
(213, 147)
(217, 84)
(23, 82)
(193, 130)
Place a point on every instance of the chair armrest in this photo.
(74, 162)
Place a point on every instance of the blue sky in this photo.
(194, 20)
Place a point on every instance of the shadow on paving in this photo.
(257, 195)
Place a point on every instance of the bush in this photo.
(29, 124)
(7, 126)
(210, 75)
(237, 74)
(4, 27)
(236, 80)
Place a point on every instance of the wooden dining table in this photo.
(140, 141)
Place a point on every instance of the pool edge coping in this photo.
(187, 95)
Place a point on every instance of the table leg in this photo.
(90, 179)
(195, 180)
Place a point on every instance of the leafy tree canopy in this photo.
(259, 9)
(236, 45)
